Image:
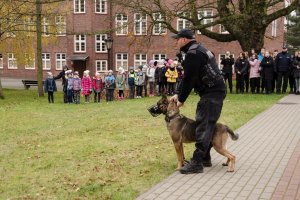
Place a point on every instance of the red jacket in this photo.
(86, 84)
(97, 87)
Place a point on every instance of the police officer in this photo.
(201, 72)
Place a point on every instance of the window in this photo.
(274, 28)
(122, 61)
(101, 65)
(206, 14)
(46, 61)
(223, 29)
(61, 27)
(1, 61)
(100, 43)
(183, 23)
(158, 28)
(101, 6)
(60, 61)
(79, 6)
(159, 57)
(12, 61)
(80, 43)
(140, 24)
(45, 24)
(140, 59)
(29, 61)
(30, 26)
(121, 24)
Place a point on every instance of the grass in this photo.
(94, 151)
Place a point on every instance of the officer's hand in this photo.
(174, 98)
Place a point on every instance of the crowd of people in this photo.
(264, 72)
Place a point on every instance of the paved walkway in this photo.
(268, 162)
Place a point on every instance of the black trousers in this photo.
(282, 76)
(131, 92)
(161, 88)
(292, 83)
(109, 95)
(269, 86)
(70, 96)
(207, 114)
(97, 96)
(77, 96)
(240, 83)
(255, 84)
(247, 81)
(171, 88)
(50, 97)
(228, 76)
(139, 90)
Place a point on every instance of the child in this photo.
(131, 80)
(160, 77)
(171, 75)
(70, 87)
(151, 76)
(50, 87)
(98, 86)
(139, 82)
(254, 74)
(120, 80)
(76, 87)
(110, 85)
(86, 84)
(65, 85)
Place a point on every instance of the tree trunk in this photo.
(1, 91)
(252, 41)
(39, 47)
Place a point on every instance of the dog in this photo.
(182, 130)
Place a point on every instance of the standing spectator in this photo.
(139, 82)
(254, 74)
(296, 65)
(227, 70)
(76, 87)
(50, 87)
(70, 87)
(131, 82)
(261, 55)
(275, 53)
(97, 86)
(180, 72)
(121, 80)
(241, 67)
(86, 84)
(267, 65)
(283, 64)
(171, 75)
(145, 87)
(151, 76)
(247, 73)
(110, 85)
(160, 77)
(292, 77)
(62, 75)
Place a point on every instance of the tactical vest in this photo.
(210, 74)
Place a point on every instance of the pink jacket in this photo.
(254, 68)
(86, 83)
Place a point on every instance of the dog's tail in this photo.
(234, 136)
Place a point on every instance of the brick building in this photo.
(85, 48)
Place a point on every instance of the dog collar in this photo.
(168, 119)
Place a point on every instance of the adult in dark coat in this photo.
(267, 66)
(241, 67)
(160, 78)
(227, 63)
(296, 66)
(62, 75)
(283, 65)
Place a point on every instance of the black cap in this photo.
(184, 33)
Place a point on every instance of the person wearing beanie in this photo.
(160, 77)
(76, 87)
(86, 84)
(131, 82)
(172, 76)
(50, 87)
(139, 82)
(151, 76)
(110, 85)
(121, 80)
(70, 87)
(97, 85)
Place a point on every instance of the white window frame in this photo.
(274, 28)
(160, 56)
(61, 25)
(222, 28)
(29, 61)
(99, 66)
(121, 24)
(78, 6)
(46, 61)
(185, 23)
(45, 25)
(81, 41)
(122, 62)
(158, 28)
(29, 26)
(140, 24)
(101, 6)
(140, 59)
(60, 60)
(1, 61)
(100, 46)
(206, 13)
(11, 61)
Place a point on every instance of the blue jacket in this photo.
(50, 85)
(283, 62)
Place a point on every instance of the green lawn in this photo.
(94, 151)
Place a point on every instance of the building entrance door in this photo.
(80, 66)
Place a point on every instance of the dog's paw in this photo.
(224, 164)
